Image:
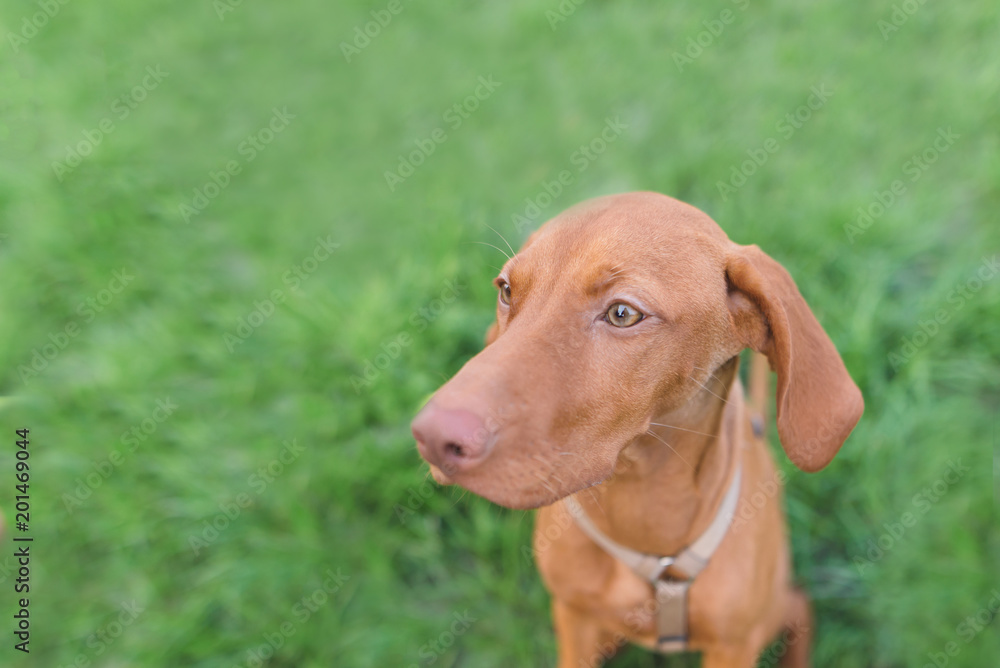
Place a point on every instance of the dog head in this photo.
(615, 312)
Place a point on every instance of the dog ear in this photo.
(817, 402)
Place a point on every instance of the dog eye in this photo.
(622, 315)
(505, 293)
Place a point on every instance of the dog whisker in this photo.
(705, 387)
(483, 243)
(597, 502)
(542, 479)
(670, 426)
(504, 239)
(460, 497)
(650, 432)
(710, 374)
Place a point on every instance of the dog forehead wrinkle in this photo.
(603, 278)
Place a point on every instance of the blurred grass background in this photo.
(347, 556)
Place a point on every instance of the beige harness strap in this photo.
(671, 615)
(671, 594)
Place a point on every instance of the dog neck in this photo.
(668, 485)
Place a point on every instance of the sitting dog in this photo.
(608, 396)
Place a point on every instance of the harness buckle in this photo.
(664, 563)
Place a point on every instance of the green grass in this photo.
(336, 506)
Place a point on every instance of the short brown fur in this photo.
(646, 424)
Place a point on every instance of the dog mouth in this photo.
(545, 488)
(440, 477)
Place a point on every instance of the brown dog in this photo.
(614, 360)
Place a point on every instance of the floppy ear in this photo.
(817, 402)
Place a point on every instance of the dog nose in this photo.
(454, 440)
